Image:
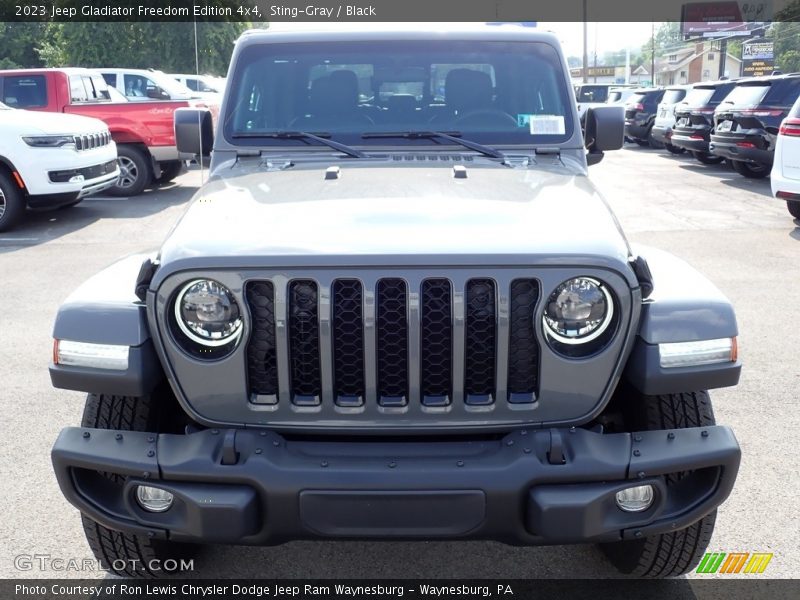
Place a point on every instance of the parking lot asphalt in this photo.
(726, 226)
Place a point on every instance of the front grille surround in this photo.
(220, 392)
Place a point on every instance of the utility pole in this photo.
(627, 65)
(723, 54)
(595, 51)
(585, 44)
(653, 53)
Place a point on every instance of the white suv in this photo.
(50, 160)
(665, 118)
(139, 85)
(785, 176)
(204, 86)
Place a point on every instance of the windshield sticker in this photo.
(546, 124)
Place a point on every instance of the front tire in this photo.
(750, 170)
(793, 206)
(136, 171)
(12, 203)
(675, 553)
(126, 554)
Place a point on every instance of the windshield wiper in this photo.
(303, 135)
(450, 136)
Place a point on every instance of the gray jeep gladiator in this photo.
(398, 309)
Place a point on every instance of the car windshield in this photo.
(490, 92)
(592, 93)
(673, 96)
(637, 98)
(699, 96)
(746, 95)
(174, 88)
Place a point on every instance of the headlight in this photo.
(207, 313)
(48, 141)
(578, 311)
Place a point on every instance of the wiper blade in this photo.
(303, 135)
(451, 136)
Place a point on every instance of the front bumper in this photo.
(531, 487)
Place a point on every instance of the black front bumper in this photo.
(531, 487)
(691, 140)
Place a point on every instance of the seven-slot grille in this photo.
(92, 140)
(393, 343)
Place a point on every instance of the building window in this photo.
(672, 57)
(710, 56)
(683, 74)
(706, 75)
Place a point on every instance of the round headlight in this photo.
(207, 313)
(578, 311)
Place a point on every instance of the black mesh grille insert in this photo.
(436, 341)
(262, 367)
(348, 342)
(523, 350)
(481, 341)
(304, 342)
(392, 339)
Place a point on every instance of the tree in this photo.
(165, 46)
(667, 36)
(786, 37)
(18, 45)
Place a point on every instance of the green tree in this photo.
(169, 47)
(786, 37)
(19, 45)
(667, 35)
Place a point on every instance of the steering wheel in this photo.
(486, 117)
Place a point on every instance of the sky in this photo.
(609, 36)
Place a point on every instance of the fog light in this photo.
(153, 499)
(635, 499)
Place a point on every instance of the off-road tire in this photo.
(793, 206)
(170, 169)
(136, 171)
(707, 159)
(126, 554)
(675, 149)
(675, 553)
(12, 202)
(750, 171)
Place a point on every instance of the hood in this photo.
(395, 208)
(35, 122)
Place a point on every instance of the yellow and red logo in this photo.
(731, 563)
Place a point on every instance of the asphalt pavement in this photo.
(727, 226)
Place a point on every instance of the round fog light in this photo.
(153, 499)
(635, 499)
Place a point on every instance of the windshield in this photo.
(746, 95)
(673, 96)
(174, 88)
(698, 96)
(490, 92)
(637, 98)
(592, 93)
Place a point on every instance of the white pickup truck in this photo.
(51, 160)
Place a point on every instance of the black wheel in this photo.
(750, 170)
(126, 554)
(675, 149)
(136, 172)
(170, 169)
(794, 208)
(707, 159)
(675, 553)
(12, 202)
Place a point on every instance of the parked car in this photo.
(746, 123)
(392, 332)
(51, 161)
(665, 116)
(640, 115)
(785, 177)
(592, 95)
(144, 131)
(619, 95)
(203, 86)
(694, 119)
(141, 85)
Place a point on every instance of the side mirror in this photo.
(194, 131)
(157, 93)
(604, 130)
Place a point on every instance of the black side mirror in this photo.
(194, 131)
(157, 93)
(604, 130)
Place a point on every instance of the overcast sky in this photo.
(609, 36)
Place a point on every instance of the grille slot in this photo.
(348, 342)
(392, 341)
(262, 367)
(436, 342)
(481, 341)
(304, 342)
(523, 350)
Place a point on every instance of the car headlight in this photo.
(48, 141)
(207, 313)
(578, 311)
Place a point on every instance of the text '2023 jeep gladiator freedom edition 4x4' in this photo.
(398, 310)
